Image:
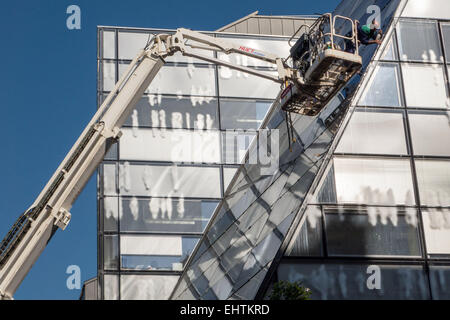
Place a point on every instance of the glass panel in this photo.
(373, 181)
(390, 50)
(130, 43)
(111, 252)
(436, 225)
(109, 45)
(243, 85)
(110, 209)
(112, 152)
(446, 37)
(155, 252)
(375, 231)
(383, 88)
(419, 41)
(169, 181)
(440, 280)
(165, 215)
(187, 146)
(242, 114)
(228, 174)
(436, 9)
(358, 281)
(308, 240)
(374, 132)
(235, 145)
(109, 179)
(161, 111)
(425, 86)
(109, 75)
(139, 287)
(434, 182)
(180, 80)
(428, 130)
(111, 287)
(276, 47)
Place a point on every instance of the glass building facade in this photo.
(160, 184)
(357, 208)
(383, 202)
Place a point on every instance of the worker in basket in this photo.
(367, 34)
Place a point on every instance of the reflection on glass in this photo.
(419, 41)
(383, 88)
(374, 132)
(425, 86)
(428, 130)
(242, 114)
(146, 287)
(436, 224)
(373, 181)
(376, 231)
(434, 182)
(155, 252)
(169, 215)
(110, 252)
(353, 282)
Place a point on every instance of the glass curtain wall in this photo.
(159, 186)
(383, 207)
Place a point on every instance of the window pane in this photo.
(419, 41)
(446, 35)
(173, 181)
(138, 287)
(308, 240)
(187, 146)
(110, 209)
(350, 281)
(111, 287)
(437, 9)
(109, 179)
(375, 231)
(374, 132)
(109, 45)
(111, 252)
(373, 181)
(434, 182)
(175, 112)
(428, 130)
(228, 174)
(235, 145)
(436, 225)
(383, 89)
(180, 80)
(109, 75)
(440, 279)
(245, 114)
(390, 50)
(425, 86)
(243, 85)
(165, 215)
(155, 252)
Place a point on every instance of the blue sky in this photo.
(48, 94)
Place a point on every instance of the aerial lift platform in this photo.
(313, 73)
